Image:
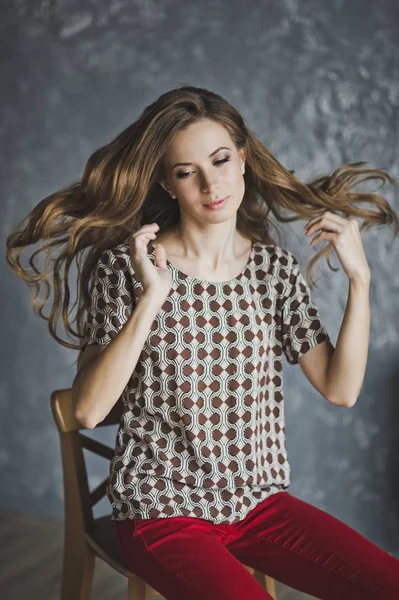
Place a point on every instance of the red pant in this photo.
(304, 547)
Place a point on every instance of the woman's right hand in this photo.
(155, 279)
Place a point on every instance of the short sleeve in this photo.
(112, 298)
(302, 328)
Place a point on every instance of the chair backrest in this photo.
(78, 499)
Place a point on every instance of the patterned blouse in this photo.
(202, 431)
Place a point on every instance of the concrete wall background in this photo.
(318, 83)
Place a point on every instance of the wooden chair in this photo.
(86, 538)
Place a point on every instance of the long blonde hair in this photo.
(119, 192)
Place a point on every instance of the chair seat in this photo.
(102, 538)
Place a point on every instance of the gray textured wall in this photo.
(319, 84)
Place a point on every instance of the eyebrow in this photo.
(186, 164)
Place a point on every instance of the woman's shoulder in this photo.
(275, 254)
(115, 259)
(115, 251)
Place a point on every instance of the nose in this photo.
(210, 185)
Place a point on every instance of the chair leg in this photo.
(136, 589)
(271, 587)
(266, 582)
(77, 575)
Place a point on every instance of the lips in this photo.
(217, 201)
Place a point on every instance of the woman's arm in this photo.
(339, 373)
(347, 365)
(98, 386)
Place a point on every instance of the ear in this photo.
(163, 184)
(165, 187)
(242, 158)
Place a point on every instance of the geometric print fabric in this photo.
(202, 432)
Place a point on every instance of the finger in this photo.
(328, 224)
(146, 229)
(160, 256)
(327, 215)
(150, 225)
(146, 237)
(324, 235)
(141, 241)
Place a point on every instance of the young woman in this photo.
(187, 305)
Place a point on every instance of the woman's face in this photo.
(208, 175)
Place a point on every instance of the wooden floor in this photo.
(31, 563)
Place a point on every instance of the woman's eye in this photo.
(217, 162)
(223, 160)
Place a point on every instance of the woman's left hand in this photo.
(345, 236)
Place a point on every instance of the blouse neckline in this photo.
(185, 277)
